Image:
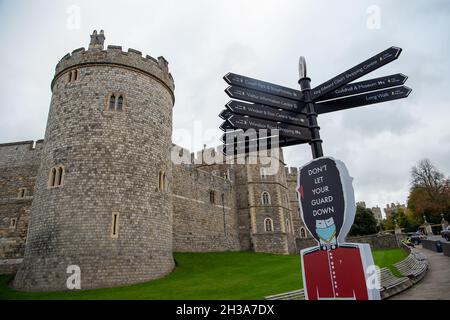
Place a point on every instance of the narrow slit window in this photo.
(52, 177)
(22, 193)
(161, 176)
(112, 102)
(75, 75)
(212, 197)
(70, 76)
(13, 223)
(302, 233)
(119, 103)
(60, 176)
(115, 225)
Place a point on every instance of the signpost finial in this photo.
(302, 67)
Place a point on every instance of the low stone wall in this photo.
(376, 241)
(9, 266)
(446, 248)
(433, 245)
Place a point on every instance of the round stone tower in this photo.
(102, 208)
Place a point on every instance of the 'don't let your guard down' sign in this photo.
(333, 269)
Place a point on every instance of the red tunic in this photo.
(334, 274)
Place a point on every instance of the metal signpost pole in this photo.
(305, 85)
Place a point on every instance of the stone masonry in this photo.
(101, 192)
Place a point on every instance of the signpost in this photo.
(325, 189)
(356, 72)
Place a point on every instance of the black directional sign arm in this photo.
(265, 112)
(262, 86)
(356, 72)
(363, 99)
(366, 86)
(240, 122)
(264, 98)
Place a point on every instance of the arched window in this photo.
(268, 225)
(52, 177)
(60, 175)
(302, 233)
(265, 198)
(119, 103)
(56, 176)
(112, 102)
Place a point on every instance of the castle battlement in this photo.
(291, 172)
(113, 55)
(20, 153)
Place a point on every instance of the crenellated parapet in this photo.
(291, 173)
(113, 55)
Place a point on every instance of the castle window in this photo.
(268, 225)
(13, 223)
(22, 193)
(112, 102)
(162, 181)
(265, 198)
(115, 225)
(119, 103)
(73, 76)
(56, 176)
(302, 233)
(116, 102)
(212, 196)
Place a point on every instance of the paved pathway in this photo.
(436, 284)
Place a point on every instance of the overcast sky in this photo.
(203, 40)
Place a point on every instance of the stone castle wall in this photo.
(19, 164)
(202, 221)
(111, 161)
(253, 212)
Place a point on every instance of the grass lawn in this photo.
(220, 275)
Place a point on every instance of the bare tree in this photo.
(425, 175)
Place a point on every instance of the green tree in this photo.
(364, 224)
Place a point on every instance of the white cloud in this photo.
(203, 40)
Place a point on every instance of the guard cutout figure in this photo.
(334, 269)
